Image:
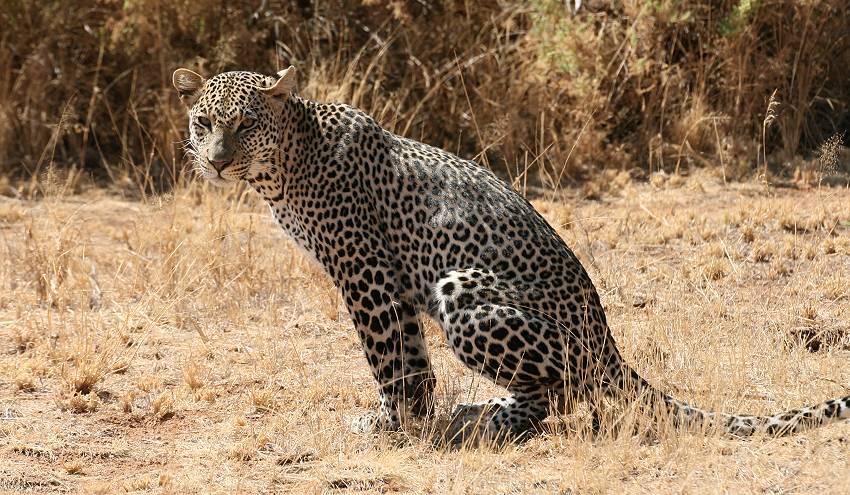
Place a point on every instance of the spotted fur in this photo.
(406, 230)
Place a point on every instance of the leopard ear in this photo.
(284, 84)
(187, 84)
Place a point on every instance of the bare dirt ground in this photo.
(181, 345)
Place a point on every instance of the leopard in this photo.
(409, 232)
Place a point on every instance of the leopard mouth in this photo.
(214, 177)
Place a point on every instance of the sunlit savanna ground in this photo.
(182, 345)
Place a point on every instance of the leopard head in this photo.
(236, 122)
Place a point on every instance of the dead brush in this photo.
(763, 252)
(128, 401)
(23, 338)
(197, 378)
(796, 223)
(836, 245)
(28, 374)
(823, 165)
(74, 466)
(263, 399)
(50, 261)
(163, 406)
(248, 447)
(770, 115)
(779, 268)
(714, 269)
(79, 403)
(24, 381)
(828, 155)
(814, 334)
(86, 372)
(615, 85)
(137, 484)
(193, 376)
(85, 351)
(790, 248)
(148, 383)
(835, 289)
(748, 234)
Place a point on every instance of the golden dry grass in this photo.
(182, 345)
(743, 86)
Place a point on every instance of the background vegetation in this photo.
(628, 85)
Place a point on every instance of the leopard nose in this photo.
(219, 164)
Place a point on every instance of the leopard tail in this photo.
(743, 425)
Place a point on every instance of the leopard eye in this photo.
(246, 124)
(204, 122)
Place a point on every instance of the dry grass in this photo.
(637, 86)
(182, 345)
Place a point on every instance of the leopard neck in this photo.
(292, 162)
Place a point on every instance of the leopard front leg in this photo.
(394, 346)
(419, 379)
